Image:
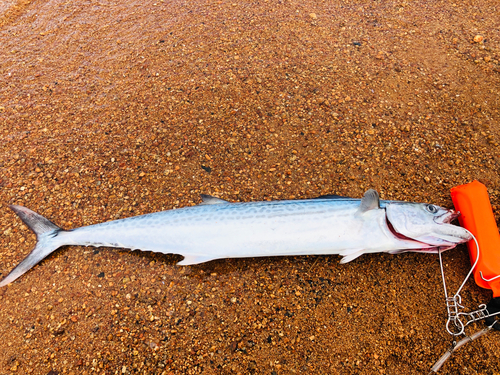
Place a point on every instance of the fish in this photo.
(217, 229)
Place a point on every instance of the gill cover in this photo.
(426, 223)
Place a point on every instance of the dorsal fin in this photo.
(332, 196)
(370, 201)
(208, 199)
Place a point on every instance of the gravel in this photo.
(114, 109)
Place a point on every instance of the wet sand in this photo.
(114, 109)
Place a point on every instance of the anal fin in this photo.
(195, 259)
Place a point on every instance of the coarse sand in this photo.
(110, 109)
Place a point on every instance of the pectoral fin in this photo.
(348, 257)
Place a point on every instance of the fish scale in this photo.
(218, 229)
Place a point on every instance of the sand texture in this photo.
(110, 109)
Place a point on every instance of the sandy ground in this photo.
(110, 109)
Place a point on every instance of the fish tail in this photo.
(45, 231)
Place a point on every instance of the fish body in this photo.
(218, 229)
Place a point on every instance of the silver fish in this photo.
(218, 229)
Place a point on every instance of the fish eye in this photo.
(431, 208)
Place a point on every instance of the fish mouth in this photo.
(447, 217)
(423, 246)
(443, 234)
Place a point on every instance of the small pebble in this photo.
(478, 39)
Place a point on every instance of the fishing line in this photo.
(473, 266)
(453, 304)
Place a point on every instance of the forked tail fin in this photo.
(45, 231)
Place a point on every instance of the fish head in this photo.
(425, 223)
